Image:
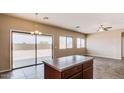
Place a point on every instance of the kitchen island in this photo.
(69, 67)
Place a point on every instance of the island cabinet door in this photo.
(50, 73)
(88, 73)
(77, 76)
(71, 72)
(88, 70)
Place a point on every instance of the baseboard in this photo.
(104, 57)
(3, 71)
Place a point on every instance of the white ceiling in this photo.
(88, 22)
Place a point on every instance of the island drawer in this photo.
(88, 64)
(70, 72)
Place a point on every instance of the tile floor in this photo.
(103, 69)
(33, 72)
(30, 61)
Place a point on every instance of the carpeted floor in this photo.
(105, 68)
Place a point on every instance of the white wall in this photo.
(105, 44)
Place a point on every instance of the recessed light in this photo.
(36, 13)
(77, 27)
(45, 18)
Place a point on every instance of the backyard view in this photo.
(24, 49)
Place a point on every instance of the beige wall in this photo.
(7, 23)
(105, 44)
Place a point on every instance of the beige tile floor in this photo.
(33, 72)
(103, 69)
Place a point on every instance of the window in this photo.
(65, 42)
(62, 42)
(69, 42)
(80, 43)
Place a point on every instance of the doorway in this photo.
(29, 50)
(122, 45)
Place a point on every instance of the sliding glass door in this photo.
(23, 49)
(30, 49)
(44, 47)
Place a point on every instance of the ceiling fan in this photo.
(103, 28)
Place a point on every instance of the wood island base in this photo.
(82, 71)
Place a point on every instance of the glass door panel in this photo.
(44, 47)
(23, 49)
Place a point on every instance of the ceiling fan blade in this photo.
(108, 27)
(105, 29)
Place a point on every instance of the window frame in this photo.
(83, 43)
(79, 43)
(66, 42)
(80, 40)
(60, 44)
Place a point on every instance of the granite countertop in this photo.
(64, 63)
